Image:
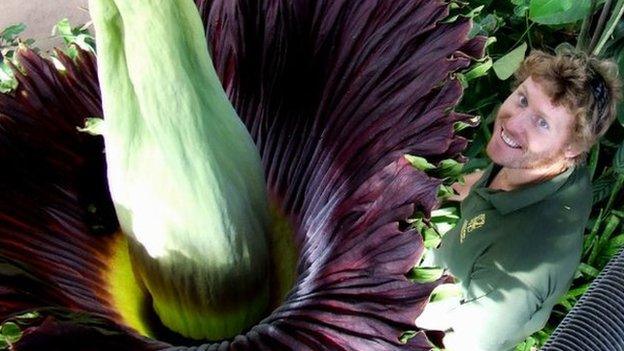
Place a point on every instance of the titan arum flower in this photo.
(244, 192)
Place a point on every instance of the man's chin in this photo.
(507, 162)
(523, 162)
(501, 161)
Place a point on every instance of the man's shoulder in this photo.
(551, 230)
(573, 201)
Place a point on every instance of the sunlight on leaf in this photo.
(10, 33)
(558, 11)
(505, 66)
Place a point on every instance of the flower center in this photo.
(135, 303)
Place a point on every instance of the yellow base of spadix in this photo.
(128, 295)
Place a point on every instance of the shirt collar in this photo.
(509, 201)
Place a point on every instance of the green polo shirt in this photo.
(514, 254)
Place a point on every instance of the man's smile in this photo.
(508, 140)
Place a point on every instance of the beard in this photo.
(527, 160)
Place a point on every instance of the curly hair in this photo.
(588, 87)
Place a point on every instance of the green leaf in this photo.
(620, 61)
(462, 80)
(444, 213)
(5, 71)
(444, 228)
(432, 242)
(10, 33)
(72, 52)
(610, 249)
(479, 70)
(565, 303)
(505, 66)
(7, 86)
(588, 270)
(459, 126)
(521, 10)
(485, 3)
(431, 238)
(419, 163)
(591, 239)
(527, 344)
(449, 168)
(558, 11)
(28, 315)
(406, 336)
(64, 29)
(74, 35)
(445, 191)
(618, 160)
(7, 79)
(474, 12)
(490, 41)
(444, 220)
(11, 332)
(94, 126)
(601, 187)
(491, 23)
(445, 291)
(576, 292)
(426, 274)
(616, 15)
(593, 160)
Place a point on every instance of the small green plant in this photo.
(11, 330)
(9, 42)
(79, 36)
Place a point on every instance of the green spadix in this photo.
(184, 174)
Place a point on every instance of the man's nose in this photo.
(518, 122)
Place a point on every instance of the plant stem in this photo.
(582, 38)
(523, 34)
(600, 26)
(613, 21)
(528, 33)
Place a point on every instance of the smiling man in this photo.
(520, 236)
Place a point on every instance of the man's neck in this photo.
(513, 178)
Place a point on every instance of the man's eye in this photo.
(523, 101)
(542, 123)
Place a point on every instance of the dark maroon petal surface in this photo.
(56, 219)
(52, 175)
(83, 333)
(334, 93)
(57, 224)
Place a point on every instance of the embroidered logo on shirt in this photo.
(469, 226)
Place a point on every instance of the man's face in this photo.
(530, 131)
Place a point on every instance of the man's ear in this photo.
(573, 150)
